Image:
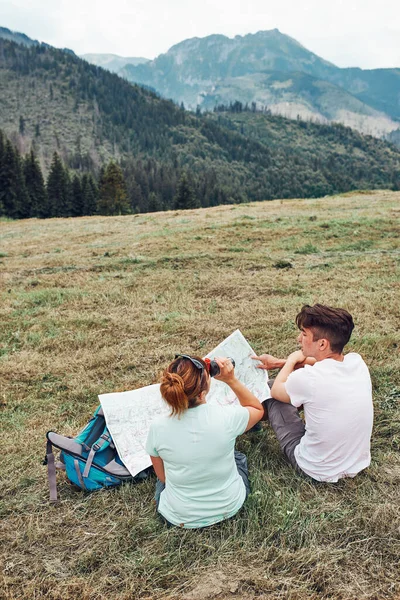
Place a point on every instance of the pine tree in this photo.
(58, 189)
(155, 202)
(35, 187)
(134, 192)
(68, 194)
(89, 195)
(113, 199)
(23, 199)
(14, 199)
(77, 197)
(8, 197)
(185, 197)
(22, 125)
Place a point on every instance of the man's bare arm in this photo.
(278, 390)
(269, 362)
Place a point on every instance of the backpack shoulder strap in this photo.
(103, 439)
(51, 471)
(65, 444)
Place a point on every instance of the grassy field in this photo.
(93, 305)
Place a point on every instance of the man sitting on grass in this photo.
(335, 391)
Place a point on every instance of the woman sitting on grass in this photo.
(201, 478)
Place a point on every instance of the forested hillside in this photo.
(338, 153)
(54, 101)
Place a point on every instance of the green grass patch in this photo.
(307, 249)
(237, 249)
(358, 246)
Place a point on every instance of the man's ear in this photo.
(323, 344)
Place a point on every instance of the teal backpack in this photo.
(90, 460)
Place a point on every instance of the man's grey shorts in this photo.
(288, 427)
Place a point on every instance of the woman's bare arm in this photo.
(245, 396)
(158, 465)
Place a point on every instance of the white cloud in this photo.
(347, 32)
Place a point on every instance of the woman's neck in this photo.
(199, 401)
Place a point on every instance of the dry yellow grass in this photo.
(95, 304)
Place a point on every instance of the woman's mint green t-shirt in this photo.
(203, 485)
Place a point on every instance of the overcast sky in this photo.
(364, 33)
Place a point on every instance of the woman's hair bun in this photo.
(172, 389)
(172, 379)
(182, 382)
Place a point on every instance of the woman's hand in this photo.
(227, 370)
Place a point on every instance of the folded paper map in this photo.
(129, 414)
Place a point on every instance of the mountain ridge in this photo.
(113, 62)
(16, 36)
(197, 72)
(22, 38)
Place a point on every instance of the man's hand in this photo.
(296, 358)
(278, 389)
(269, 362)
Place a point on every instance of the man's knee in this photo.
(285, 420)
(265, 407)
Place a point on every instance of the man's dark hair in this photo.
(333, 324)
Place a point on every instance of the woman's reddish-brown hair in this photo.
(182, 382)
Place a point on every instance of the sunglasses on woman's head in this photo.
(194, 361)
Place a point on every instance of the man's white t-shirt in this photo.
(338, 411)
(203, 485)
